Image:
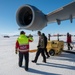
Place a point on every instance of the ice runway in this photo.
(63, 64)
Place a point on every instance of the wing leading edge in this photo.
(64, 13)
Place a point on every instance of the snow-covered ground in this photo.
(63, 64)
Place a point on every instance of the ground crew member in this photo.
(22, 45)
(49, 37)
(45, 49)
(41, 46)
(69, 41)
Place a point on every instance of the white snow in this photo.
(63, 64)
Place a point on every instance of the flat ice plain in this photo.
(63, 64)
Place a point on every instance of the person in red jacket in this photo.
(22, 46)
(69, 41)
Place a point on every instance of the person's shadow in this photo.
(39, 72)
(58, 65)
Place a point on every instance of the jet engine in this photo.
(30, 18)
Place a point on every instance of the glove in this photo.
(38, 46)
(30, 35)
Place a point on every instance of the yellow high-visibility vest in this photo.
(24, 43)
(23, 40)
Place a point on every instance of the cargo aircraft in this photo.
(31, 18)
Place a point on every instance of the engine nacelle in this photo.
(30, 18)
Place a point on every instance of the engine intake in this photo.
(31, 18)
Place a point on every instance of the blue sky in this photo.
(8, 10)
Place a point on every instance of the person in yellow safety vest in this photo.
(22, 46)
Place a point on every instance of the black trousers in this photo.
(45, 50)
(40, 51)
(26, 57)
(69, 46)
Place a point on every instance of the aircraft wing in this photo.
(64, 13)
